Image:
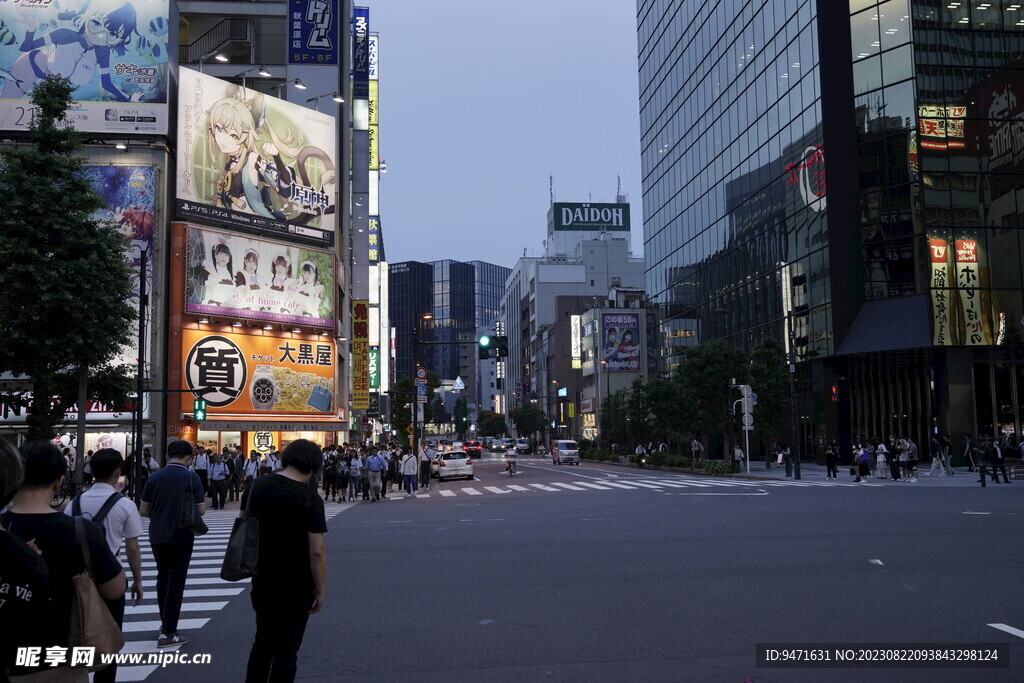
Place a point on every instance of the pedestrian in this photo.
(912, 459)
(24, 610)
(330, 477)
(904, 459)
(237, 476)
(831, 461)
(201, 465)
(425, 458)
(292, 562)
(52, 535)
(252, 469)
(409, 469)
(969, 453)
(892, 456)
(737, 458)
(785, 452)
(375, 466)
(998, 462)
(218, 481)
(881, 461)
(355, 475)
(696, 449)
(936, 449)
(341, 474)
(947, 455)
(274, 463)
(87, 470)
(641, 455)
(166, 492)
(122, 526)
(863, 464)
(394, 470)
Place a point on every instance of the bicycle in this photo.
(510, 465)
(65, 491)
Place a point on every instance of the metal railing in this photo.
(228, 30)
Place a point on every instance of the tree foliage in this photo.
(491, 424)
(705, 375)
(65, 278)
(769, 377)
(460, 414)
(403, 393)
(529, 419)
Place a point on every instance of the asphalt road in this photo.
(653, 582)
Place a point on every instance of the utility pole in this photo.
(794, 451)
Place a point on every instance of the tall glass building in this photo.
(845, 177)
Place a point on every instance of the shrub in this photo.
(715, 467)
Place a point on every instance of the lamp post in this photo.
(216, 54)
(793, 449)
(416, 330)
(244, 75)
(336, 96)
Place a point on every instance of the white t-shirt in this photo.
(123, 521)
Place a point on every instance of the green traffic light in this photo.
(485, 340)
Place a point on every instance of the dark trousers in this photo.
(204, 477)
(894, 469)
(833, 471)
(108, 674)
(280, 626)
(995, 473)
(235, 489)
(424, 474)
(331, 487)
(219, 491)
(171, 571)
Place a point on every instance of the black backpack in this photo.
(101, 514)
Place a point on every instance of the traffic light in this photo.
(199, 409)
(484, 347)
(501, 346)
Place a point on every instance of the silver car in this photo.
(565, 453)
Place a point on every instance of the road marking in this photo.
(198, 581)
(472, 492)
(192, 563)
(135, 673)
(517, 487)
(542, 487)
(568, 486)
(878, 562)
(447, 494)
(970, 512)
(225, 592)
(592, 486)
(723, 493)
(1008, 629)
(495, 489)
(132, 610)
(198, 570)
(619, 485)
(646, 485)
(421, 495)
(154, 626)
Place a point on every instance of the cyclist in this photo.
(510, 461)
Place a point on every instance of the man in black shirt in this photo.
(52, 534)
(292, 561)
(166, 491)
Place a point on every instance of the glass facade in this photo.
(490, 286)
(733, 172)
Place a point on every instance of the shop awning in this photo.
(251, 426)
(889, 325)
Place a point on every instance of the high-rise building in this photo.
(841, 177)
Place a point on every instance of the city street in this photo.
(601, 572)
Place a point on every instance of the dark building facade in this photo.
(847, 178)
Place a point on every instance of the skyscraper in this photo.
(838, 176)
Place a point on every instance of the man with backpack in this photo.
(119, 520)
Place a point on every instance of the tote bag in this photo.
(243, 552)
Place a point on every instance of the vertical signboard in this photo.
(360, 355)
(114, 52)
(313, 32)
(576, 341)
(374, 367)
(374, 112)
(360, 52)
(970, 296)
(940, 291)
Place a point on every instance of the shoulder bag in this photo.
(188, 519)
(241, 558)
(92, 625)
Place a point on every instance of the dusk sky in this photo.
(480, 101)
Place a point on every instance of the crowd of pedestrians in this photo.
(372, 472)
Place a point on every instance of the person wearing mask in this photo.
(165, 493)
(425, 458)
(292, 562)
(409, 469)
(53, 535)
(122, 526)
(375, 466)
(219, 482)
(252, 469)
(355, 474)
(881, 460)
(24, 611)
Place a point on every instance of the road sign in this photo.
(421, 382)
(753, 397)
(748, 420)
(458, 384)
(421, 373)
(747, 428)
(421, 389)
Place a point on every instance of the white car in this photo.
(565, 453)
(453, 464)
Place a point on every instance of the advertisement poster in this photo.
(243, 277)
(942, 305)
(360, 52)
(360, 355)
(246, 375)
(620, 341)
(129, 193)
(970, 296)
(113, 51)
(313, 32)
(255, 162)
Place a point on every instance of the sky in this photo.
(481, 100)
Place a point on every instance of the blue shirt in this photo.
(375, 463)
(165, 491)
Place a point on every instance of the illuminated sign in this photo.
(589, 217)
(808, 175)
(941, 127)
(360, 355)
(312, 32)
(942, 305)
(576, 341)
(374, 367)
(360, 53)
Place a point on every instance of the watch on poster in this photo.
(240, 374)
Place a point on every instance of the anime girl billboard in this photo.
(252, 161)
(113, 51)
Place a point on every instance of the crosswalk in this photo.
(205, 592)
(665, 485)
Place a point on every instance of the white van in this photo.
(565, 453)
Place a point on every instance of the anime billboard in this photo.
(251, 161)
(620, 344)
(242, 277)
(114, 51)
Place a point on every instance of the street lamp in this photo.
(336, 96)
(138, 413)
(244, 75)
(216, 54)
(416, 332)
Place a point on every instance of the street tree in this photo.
(460, 413)
(65, 279)
(638, 413)
(529, 419)
(769, 378)
(614, 427)
(491, 424)
(672, 419)
(704, 377)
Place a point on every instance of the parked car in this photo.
(565, 452)
(473, 448)
(453, 464)
(522, 446)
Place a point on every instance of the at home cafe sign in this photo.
(588, 216)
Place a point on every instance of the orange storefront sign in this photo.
(247, 375)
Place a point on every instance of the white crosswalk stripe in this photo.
(542, 487)
(495, 489)
(447, 494)
(472, 492)
(571, 487)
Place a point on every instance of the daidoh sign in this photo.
(587, 216)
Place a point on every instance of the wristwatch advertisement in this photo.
(264, 390)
